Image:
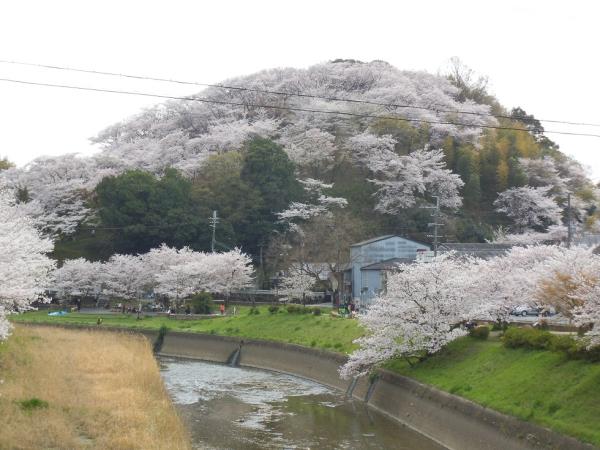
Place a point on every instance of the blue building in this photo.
(370, 260)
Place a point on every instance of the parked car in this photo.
(526, 310)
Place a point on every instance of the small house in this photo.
(370, 261)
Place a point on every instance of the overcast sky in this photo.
(540, 55)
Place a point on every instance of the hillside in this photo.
(404, 138)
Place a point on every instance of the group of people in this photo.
(348, 309)
(130, 309)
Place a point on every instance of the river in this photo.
(241, 408)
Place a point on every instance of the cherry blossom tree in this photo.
(311, 149)
(575, 175)
(125, 276)
(564, 275)
(570, 281)
(296, 284)
(543, 172)
(158, 262)
(25, 270)
(554, 233)
(78, 276)
(56, 189)
(181, 273)
(502, 283)
(404, 179)
(529, 207)
(230, 271)
(588, 311)
(319, 203)
(418, 315)
(426, 302)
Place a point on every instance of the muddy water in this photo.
(240, 408)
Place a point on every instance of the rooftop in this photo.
(388, 264)
(481, 250)
(382, 238)
(370, 241)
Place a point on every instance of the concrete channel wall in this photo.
(452, 421)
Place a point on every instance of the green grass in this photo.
(33, 403)
(324, 331)
(534, 385)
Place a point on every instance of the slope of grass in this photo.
(324, 331)
(538, 386)
(80, 389)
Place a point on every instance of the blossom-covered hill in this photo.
(390, 150)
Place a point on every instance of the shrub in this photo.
(543, 325)
(33, 403)
(273, 309)
(541, 340)
(299, 309)
(592, 354)
(201, 303)
(538, 339)
(499, 325)
(583, 329)
(253, 310)
(160, 339)
(562, 343)
(529, 338)
(480, 332)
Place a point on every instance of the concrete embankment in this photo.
(455, 422)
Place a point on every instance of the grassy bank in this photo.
(324, 331)
(539, 386)
(78, 389)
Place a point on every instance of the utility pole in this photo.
(214, 220)
(435, 224)
(569, 221)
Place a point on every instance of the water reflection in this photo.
(240, 408)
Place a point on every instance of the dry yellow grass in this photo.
(104, 391)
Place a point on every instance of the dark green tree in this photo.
(516, 175)
(145, 211)
(219, 187)
(269, 171)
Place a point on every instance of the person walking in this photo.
(222, 308)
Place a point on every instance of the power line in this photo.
(291, 94)
(94, 228)
(285, 108)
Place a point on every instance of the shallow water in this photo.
(240, 408)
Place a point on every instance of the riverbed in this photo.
(242, 408)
